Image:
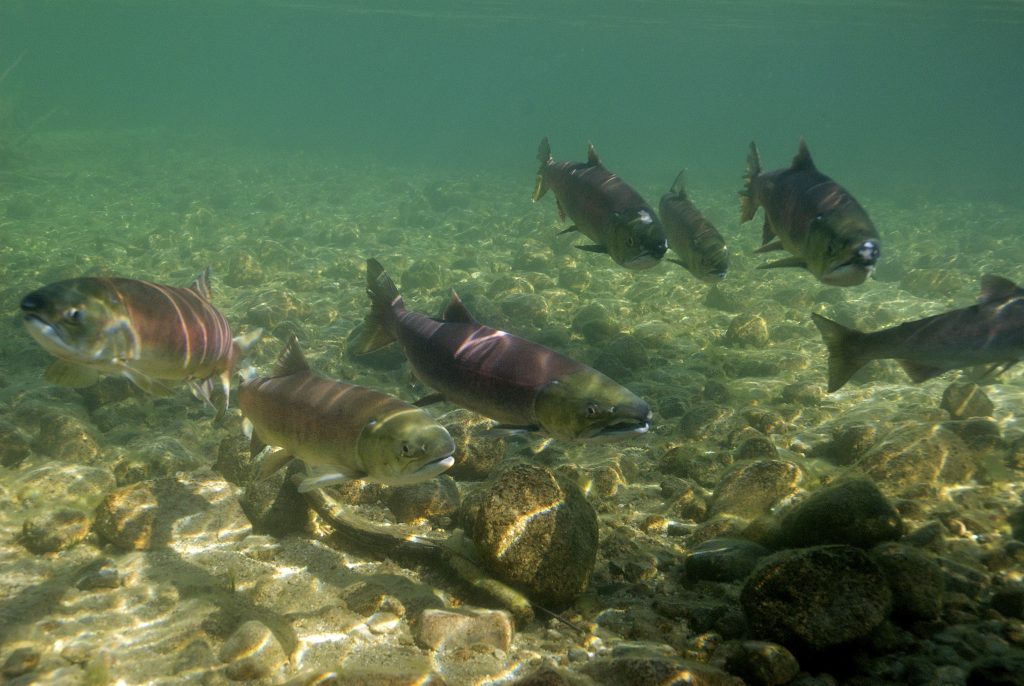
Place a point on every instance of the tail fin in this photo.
(843, 358)
(544, 156)
(377, 329)
(748, 202)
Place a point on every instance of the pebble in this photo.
(66, 438)
(252, 652)
(816, 598)
(963, 400)
(723, 559)
(100, 574)
(183, 510)
(751, 489)
(760, 663)
(849, 443)
(917, 453)
(536, 530)
(431, 499)
(916, 581)
(851, 511)
(14, 444)
(1008, 600)
(54, 531)
(655, 670)
(20, 661)
(747, 330)
(466, 628)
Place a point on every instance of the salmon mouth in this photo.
(626, 427)
(441, 464)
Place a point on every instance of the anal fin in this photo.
(792, 261)
(920, 372)
(769, 247)
(594, 248)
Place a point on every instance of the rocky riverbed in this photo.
(764, 532)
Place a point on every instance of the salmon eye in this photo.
(406, 449)
(74, 315)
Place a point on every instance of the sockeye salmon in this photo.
(522, 385)
(604, 208)
(701, 249)
(146, 332)
(824, 228)
(990, 333)
(340, 431)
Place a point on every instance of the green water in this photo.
(283, 143)
(917, 99)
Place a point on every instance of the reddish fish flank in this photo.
(478, 365)
(196, 340)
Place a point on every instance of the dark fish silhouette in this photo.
(990, 333)
(604, 208)
(144, 331)
(825, 229)
(701, 249)
(341, 431)
(523, 385)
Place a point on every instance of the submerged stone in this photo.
(964, 400)
(54, 531)
(915, 578)
(852, 511)
(252, 652)
(816, 598)
(453, 630)
(435, 498)
(751, 489)
(181, 511)
(536, 530)
(723, 559)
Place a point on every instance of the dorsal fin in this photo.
(592, 154)
(456, 311)
(996, 288)
(201, 284)
(803, 161)
(291, 360)
(679, 187)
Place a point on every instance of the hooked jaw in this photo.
(857, 268)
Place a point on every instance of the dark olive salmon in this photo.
(604, 208)
(521, 384)
(823, 227)
(990, 332)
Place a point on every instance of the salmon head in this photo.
(845, 247)
(587, 405)
(405, 447)
(79, 320)
(637, 239)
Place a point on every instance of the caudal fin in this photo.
(377, 329)
(748, 201)
(843, 357)
(544, 157)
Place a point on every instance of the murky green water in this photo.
(282, 144)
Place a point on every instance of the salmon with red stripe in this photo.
(147, 332)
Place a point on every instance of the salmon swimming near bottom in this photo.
(990, 333)
(824, 228)
(146, 332)
(523, 385)
(340, 431)
(701, 249)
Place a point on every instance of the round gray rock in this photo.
(723, 559)
(815, 598)
(535, 529)
(916, 581)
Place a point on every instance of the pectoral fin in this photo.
(272, 461)
(594, 248)
(147, 383)
(429, 399)
(793, 261)
(71, 375)
(770, 246)
(569, 230)
(500, 430)
(319, 477)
